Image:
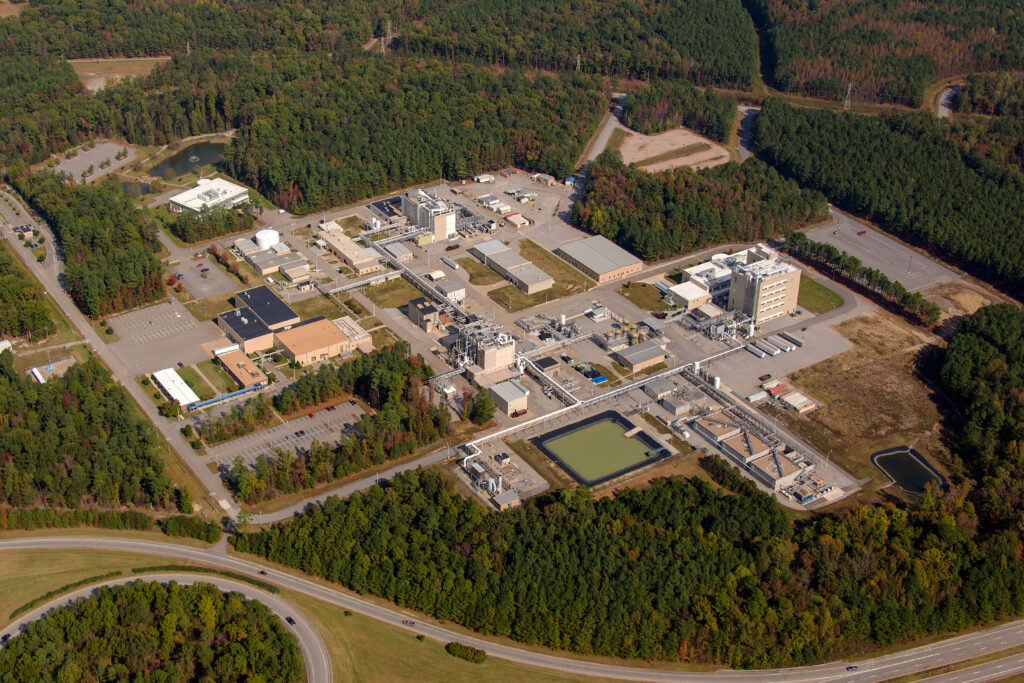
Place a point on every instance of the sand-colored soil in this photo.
(94, 72)
(671, 149)
(9, 9)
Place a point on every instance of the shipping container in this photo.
(756, 351)
(450, 263)
(790, 338)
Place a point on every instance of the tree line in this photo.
(657, 215)
(76, 441)
(206, 224)
(826, 256)
(905, 174)
(108, 245)
(882, 51)
(670, 104)
(992, 94)
(23, 307)
(151, 631)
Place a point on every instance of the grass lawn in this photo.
(211, 307)
(216, 375)
(106, 332)
(25, 360)
(392, 294)
(568, 280)
(351, 304)
(479, 274)
(352, 225)
(151, 389)
(644, 295)
(676, 154)
(317, 306)
(630, 376)
(816, 297)
(196, 382)
(382, 337)
(369, 323)
(617, 137)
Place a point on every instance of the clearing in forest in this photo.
(672, 149)
(94, 73)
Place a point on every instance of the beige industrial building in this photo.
(423, 314)
(513, 267)
(600, 259)
(427, 211)
(453, 291)
(716, 427)
(497, 353)
(745, 447)
(360, 259)
(764, 290)
(245, 329)
(357, 336)
(313, 341)
(776, 471)
(510, 397)
(641, 356)
(242, 369)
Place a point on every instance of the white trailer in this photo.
(754, 350)
(767, 348)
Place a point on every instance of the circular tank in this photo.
(265, 239)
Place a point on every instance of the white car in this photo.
(280, 210)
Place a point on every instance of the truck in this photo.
(767, 348)
(790, 338)
(754, 350)
(450, 263)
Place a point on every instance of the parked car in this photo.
(311, 416)
(291, 622)
(263, 572)
(451, 247)
(297, 435)
(863, 232)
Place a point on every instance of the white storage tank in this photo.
(265, 239)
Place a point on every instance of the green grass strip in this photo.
(270, 588)
(59, 591)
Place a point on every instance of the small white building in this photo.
(209, 193)
(510, 397)
(484, 178)
(453, 291)
(175, 386)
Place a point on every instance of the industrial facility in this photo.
(360, 259)
(426, 211)
(600, 259)
(209, 193)
(512, 267)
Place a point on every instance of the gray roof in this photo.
(530, 274)
(660, 387)
(448, 288)
(641, 352)
(599, 254)
(510, 390)
(507, 259)
(398, 250)
(490, 247)
(506, 497)
(266, 259)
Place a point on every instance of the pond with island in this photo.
(184, 160)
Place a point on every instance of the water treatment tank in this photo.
(265, 239)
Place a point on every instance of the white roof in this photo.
(175, 386)
(599, 254)
(688, 291)
(5, 345)
(709, 272)
(449, 288)
(211, 192)
(490, 247)
(510, 390)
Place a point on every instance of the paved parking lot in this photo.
(325, 426)
(94, 157)
(877, 250)
(160, 336)
(216, 282)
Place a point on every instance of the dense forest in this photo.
(108, 244)
(673, 212)
(23, 309)
(243, 418)
(192, 226)
(841, 264)
(703, 41)
(677, 571)
(671, 104)
(393, 383)
(884, 51)
(76, 440)
(993, 94)
(905, 173)
(147, 631)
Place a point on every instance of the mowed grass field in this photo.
(568, 280)
(479, 274)
(392, 294)
(644, 295)
(816, 297)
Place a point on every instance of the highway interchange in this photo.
(879, 668)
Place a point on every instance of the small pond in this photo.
(907, 469)
(183, 161)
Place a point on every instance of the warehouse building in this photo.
(209, 193)
(268, 261)
(242, 369)
(513, 267)
(273, 312)
(399, 251)
(453, 291)
(175, 387)
(689, 296)
(360, 259)
(510, 397)
(776, 471)
(659, 388)
(745, 447)
(313, 341)
(641, 356)
(245, 329)
(716, 427)
(600, 259)
(423, 314)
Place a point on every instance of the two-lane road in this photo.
(876, 669)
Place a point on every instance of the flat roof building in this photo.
(754, 281)
(357, 336)
(642, 356)
(360, 259)
(245, 246)
(242, 369)
(659, 388)
(716, 427)
(274, 313)
(600, 258)
(453, 291)
(506, 500)
(689, 295)
(427, 211)
(296, 274)
(313, 341)
(423, 314)
(267, 261)
(399, 251)
(510, 397)
(547, 365)
(243, 327)
(513, 267)
(745, 447)
(776, 471)
(209, 193)
(175, 386)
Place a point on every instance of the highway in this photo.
(314, 651)
(875, 669)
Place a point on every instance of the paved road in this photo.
(48, 273)
(875, 669)
(314, 651)
(747, 130)
(990, 671)
(604, 134)
(945, 104)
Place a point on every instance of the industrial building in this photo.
(360, 259)
(512, 267)
(755, 282)
(273, 312)
(357, 336)
(269, 261)
(296, 274)
(600, 259)
(777, 471)
(245, 329)
(313, 341)
(242, 369)
(453, 291)
(506, 500)
(175, 386)
(510, 397)
(745, 447)
(641, 356)
(659, 388)
(244, 246)
(517, 220)
(547, 365)
(427, 211)
(209, 193)
(716, 427)
(399, 251)
(484, 350)
(423, 314)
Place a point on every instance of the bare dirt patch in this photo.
(672, 149)
(872, 397)
(94, 73)
(959, 298)
(9, 9)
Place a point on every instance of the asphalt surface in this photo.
(875, 669)
(945, 104)
(314, 651)
(747, 130)
(990, 671)
(877, 250)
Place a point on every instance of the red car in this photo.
(863, 232)
(311, 416)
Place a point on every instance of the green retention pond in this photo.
(907, 469)
(597, 449)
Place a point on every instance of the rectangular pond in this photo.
(907, 469)
(596, 449)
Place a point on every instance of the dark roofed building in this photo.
(246, 330)
(265, 305)
(423, 314)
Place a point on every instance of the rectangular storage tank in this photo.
(781, 343)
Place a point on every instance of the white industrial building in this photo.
(453, 291)
(512, 266)
(209, 193)
(427, 211)
(175, 386)
(510, 397)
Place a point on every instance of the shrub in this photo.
(470, 654)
